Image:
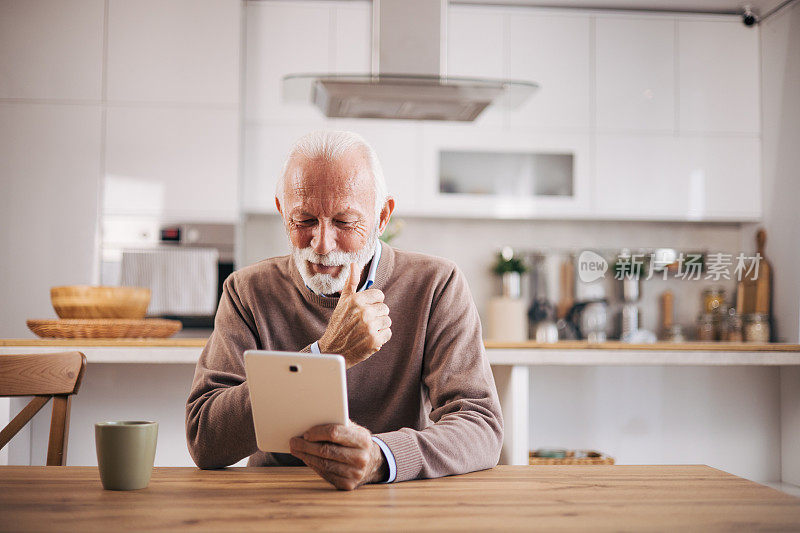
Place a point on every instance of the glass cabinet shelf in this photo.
(507, 174)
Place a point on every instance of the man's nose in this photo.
(324, 240)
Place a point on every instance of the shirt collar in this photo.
(373, 267)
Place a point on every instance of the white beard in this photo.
(326, 283)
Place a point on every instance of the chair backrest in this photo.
(43, 376)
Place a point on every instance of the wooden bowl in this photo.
(85, 301)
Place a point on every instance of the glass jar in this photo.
(756, 327)
(733, 332)
(713, 300)
(706, 327)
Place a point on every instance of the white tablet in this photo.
(291, 392)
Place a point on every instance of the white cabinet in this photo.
(353, 38)
(398, 146)
(178, 51)
(435, 199)
(659, 113)
(51, 49)
(285, 38)
(265, 150)
(635, 74)
(554, 51)
(475, 49)
(172, 163)
(665, 177)
(718, 72)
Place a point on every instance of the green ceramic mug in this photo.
(125, 453)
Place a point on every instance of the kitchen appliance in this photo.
(589, 320)
(202, 235)
(409, 77)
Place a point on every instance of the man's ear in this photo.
(278, 205)
(386, 214)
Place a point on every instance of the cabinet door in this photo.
(718, 72)
(637, 177)
(723, 174)
(178, 51)
(475, 49)
(172, 163)
(285, 38)
(353, 38)
(670, 178)
(265, 150)
(554, 51)
(635, 74)
(51, 49)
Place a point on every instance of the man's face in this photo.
(329, 214)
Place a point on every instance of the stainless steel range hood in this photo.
(408, 79)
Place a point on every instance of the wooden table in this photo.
(505, 498)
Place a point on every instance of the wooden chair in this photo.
(44, 376)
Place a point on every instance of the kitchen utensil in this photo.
(104, 328)
(764, 281)
(667, 311)
(567, 293)
(630, 320)
(544, 326)
(754, 295)
(84, 301)
(630, 289)
(594, 319)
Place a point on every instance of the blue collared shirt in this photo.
(387, 453)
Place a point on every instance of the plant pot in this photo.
(512, 284)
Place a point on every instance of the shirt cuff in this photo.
(387, 453)
(315, 348)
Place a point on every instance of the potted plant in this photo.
(510, 269)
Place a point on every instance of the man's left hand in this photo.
(345, 456)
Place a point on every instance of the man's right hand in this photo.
(360, 324)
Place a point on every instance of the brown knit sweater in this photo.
(428, 393)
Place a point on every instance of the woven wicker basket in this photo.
(573, 457)
(102, 328)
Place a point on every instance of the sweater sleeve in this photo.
(466, 433)
(219, 419)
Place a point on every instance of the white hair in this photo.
(331, 146)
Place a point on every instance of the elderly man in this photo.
(420, 391)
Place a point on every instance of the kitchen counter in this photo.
(490, 345)
(529, 353)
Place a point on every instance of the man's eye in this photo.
(305, 222)
(346, 222)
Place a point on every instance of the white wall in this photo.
(780, 87)
(50, 152)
